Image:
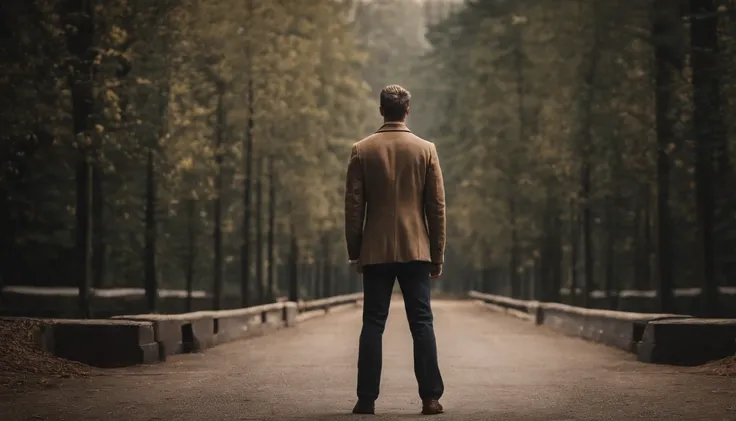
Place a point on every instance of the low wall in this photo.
(684, 301)
(326, 304)
(99, 343)
(178, 333)
(657, 338)
(62, 302)
(618, 329)
(687, 341)
(146, 338)
(523, 309)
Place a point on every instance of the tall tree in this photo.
(706, 131)
(79, 19)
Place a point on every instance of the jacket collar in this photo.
(393, 127)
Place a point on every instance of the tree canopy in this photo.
(586, 145)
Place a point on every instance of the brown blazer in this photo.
(394, 199)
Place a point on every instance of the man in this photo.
(395, 228)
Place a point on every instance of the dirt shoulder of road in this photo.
(23, 364)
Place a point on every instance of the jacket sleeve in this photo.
(434, 207)
(354, 205)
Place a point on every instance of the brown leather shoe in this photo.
(431, 407)
(364, 408)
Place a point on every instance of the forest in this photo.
(587, 145)
(593, 140)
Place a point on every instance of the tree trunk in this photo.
(612, 218)
(245, 284)
(587, 235)
(217, 206)
(260, 287)
(99, 251)
(337, 285)
(80, 33)
(150, 281)
(648, 224)
(191, 249)
(310, 276)
(514, 278)
(610, 255)
(326, 266)
(485, 276)
(271, 227)
(318, 273)
(585, 138)
(84, 235)
(519, 286)
(549, 276)
(637, 249)
(293, 265)
(706, 123)
(485, 279)
(542, 264)
(574, 240)
(665, 21)
(556, 256)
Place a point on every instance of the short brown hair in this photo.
(395, 102)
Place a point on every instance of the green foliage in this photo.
(520, 98)
(158, 70)
(521, 94)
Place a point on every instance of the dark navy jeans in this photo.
(378, 283)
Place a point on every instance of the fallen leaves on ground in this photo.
(724, 367)
(21, 359)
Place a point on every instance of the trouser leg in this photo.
(378, 282)
(416, 287)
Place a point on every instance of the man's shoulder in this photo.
(378, 138)
(364, 140)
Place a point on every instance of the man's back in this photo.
(394, 180)
(395, 230)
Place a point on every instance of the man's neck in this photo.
(394, 122)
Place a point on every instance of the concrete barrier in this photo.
(247, 322)
(99, 343)
(687, 341)
(308, 310)
(61, 302)
(684, 300)
(619, 329)
(253, 321)
(236, 324)
(194, 332)
(309, 315)
(326, 304)
(273, 316)
(146, 338)
(291, 310)
(178, 333)
(526, 310)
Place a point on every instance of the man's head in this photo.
(394, 103)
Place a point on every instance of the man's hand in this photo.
(436, 271)
(356, 265)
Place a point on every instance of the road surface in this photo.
(495, 368)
